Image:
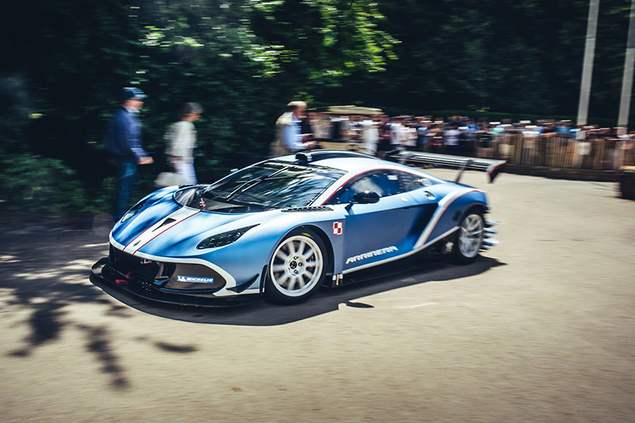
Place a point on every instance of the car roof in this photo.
(357, 164)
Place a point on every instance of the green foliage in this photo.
(243, 60)
(321, 41)
(33, 184)
(519, 57)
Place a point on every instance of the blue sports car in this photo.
(285, 226)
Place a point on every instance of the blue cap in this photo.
(132, 93)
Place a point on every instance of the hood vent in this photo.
(166, 222)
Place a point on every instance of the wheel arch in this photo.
(330, 263)
(478, 207)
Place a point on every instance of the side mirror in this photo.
(366, 197)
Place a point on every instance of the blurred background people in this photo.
(421, 128)
(451, 139)
(181, 141)
(384, 136)
(123, 144)
(340, 128)
(320, 126)
(369, 136)
(395, 133)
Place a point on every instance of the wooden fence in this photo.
(559, 152)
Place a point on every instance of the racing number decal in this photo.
(338, 228)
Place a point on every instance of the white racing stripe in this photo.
(423, 241)
(158, 228)
(400, 256)
(444, 203)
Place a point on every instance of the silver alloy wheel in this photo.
(296, 266)
(471, 235)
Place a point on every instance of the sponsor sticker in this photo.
(338, 228)
(194, 279)
(370, 254)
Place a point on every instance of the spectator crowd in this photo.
(297, 130)
(451, 135)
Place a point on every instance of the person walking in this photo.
(369, 136)
(383, 144)
(289, 132)
(123, 144)
(181, 139)
(451, 139)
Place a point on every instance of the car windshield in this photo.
(266, 185)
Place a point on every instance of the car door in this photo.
(373, 232)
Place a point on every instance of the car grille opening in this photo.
(172, 276)
(136, 267)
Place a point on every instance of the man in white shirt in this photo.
(396, 133)
(370, 136)
(451, 139)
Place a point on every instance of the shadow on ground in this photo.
(416, 270)
(44, 274)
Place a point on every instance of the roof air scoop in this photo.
(314, 156)
(303, 158)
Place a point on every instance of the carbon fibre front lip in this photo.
(156, 296)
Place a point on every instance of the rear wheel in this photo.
(469, 238)
(296, 268)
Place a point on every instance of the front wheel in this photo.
(296, 268)
(469, 239)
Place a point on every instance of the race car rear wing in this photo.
(417, 158)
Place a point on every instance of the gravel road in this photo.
(541, 329)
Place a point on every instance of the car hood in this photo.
(166, 223)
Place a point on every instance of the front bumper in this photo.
(140, 282)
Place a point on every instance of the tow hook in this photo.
(123, 281)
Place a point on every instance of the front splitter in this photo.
(148, 293)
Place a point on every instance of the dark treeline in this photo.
(65, 61)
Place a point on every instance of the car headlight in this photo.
(224, 238)
(132, 211)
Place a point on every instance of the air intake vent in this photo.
(166, 222)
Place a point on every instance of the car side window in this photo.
(383, 183)
(410, 182)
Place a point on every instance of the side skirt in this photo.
(339, 279)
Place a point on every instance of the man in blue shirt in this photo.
(288, 131)
(123, 144)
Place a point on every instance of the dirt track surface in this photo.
(541, 329)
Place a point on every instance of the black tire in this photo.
(461, 253)
(275, 290)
